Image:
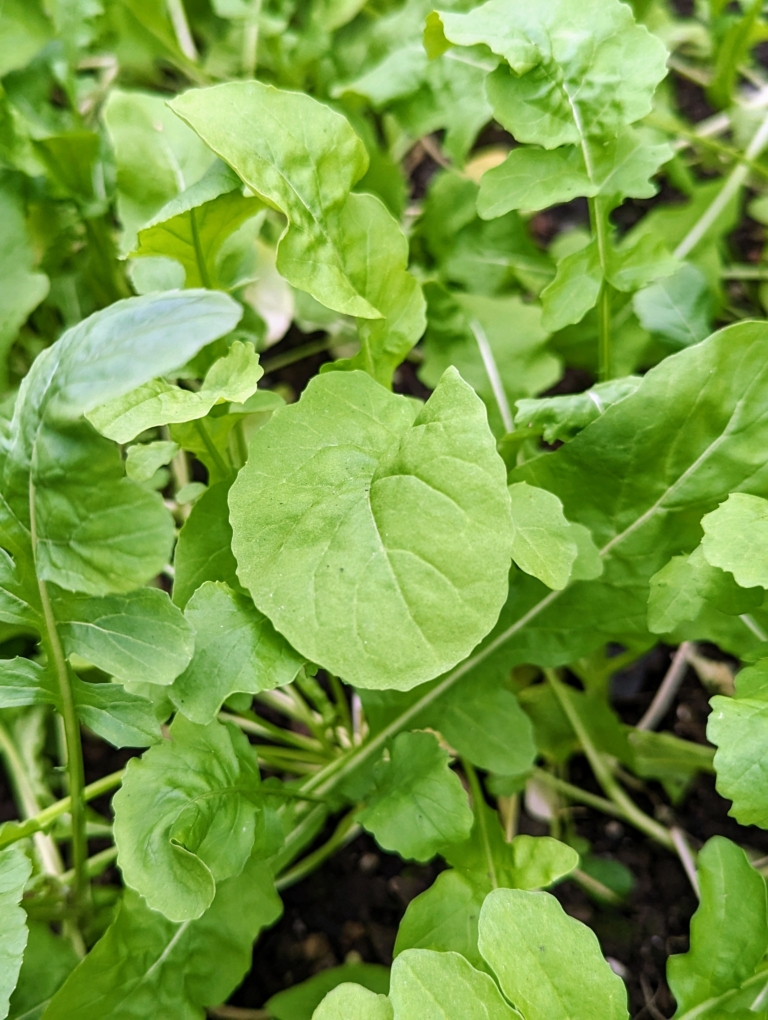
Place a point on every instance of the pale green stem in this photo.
(578, 795)
(181, 29)
(494, 377)
(345, 832)
(732, 185)
(478, 801)
(214, 454)
(202, 266)
(251, 40)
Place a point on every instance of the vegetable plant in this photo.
(379, 382)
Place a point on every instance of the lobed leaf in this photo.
(15, 869)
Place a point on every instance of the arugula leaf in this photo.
(440, 986)
(143, 460)
(48, 961)
(232, 378)
(444, 918)
(738, 726)
(559, 419)
(542, 544)
(15, 869)
(729, 931)
(678, 308)
(353, 1002)
(736, 538)
(299, 1001)
(547, 963)
(186, 817)
(418, 806)
(236, 650)
(204, 547)
(308, 174)
(358, 514)
(145, 962)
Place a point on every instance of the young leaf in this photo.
(300, 1001)
(678, 308)
(548, 964)
(144, 459)
(186, 815)
(738, 726)
(419, 805)
(736, 538)
(15, 869)
(145, 963)
(729, 931)
(48, 961)
(359, 516)
(204, 547)
(440, 986)
(542, 544)
(353, 1002)
(307, 173)
(231, 378)
(236, 650)
(192, 227)
(138, 636)
(559, 419)
(444, 918)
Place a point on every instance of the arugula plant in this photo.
(317, 607)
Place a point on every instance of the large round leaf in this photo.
(374, 533)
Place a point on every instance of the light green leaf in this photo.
(419, 806)
(48, 960)
(138, 636)
(444, 918)
(441, 986)
(575, 72)
(574, 290)
(738, 726)
(232, 378)
(736, 538)
(157, 157)
(524, 363)
(485, 724)
(204, 547)
(680, 590)
(300, 1001)
(558, 419)
(185, 817)
(15, 869)
(236, 650)
(729, 931)
(542, 544)
(342, 248)
(353, 1002)
(144, 459)
(24, 31)
(146, 965)
(358, 514)
(194, 225)
(21, 288)
(547, 963)
(678, 308)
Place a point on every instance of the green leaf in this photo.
(419, 806)
(328, 248)
(139, 636)
(146, 964)
(542, 544)
(300, 1001)
(24, 31)
(236, 650)
(21, 287)
(232, 378)
(574, 290)
(204, 547)
(15, 869)
(729, 931)
(358, 514)
(444, 918)
(186, 816)
(144, 459)
(681, 589)
(559, 419)
(194, 225)
(575, 73)
(525, 365)
(547, 963)
(48, 960)
(157, 157)
(353, 1002)
(440, 986)
(678, 308)
(736, 538)
(738, 726)
(485, 724)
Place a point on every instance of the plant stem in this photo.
(344, 833)
(342, 704)
(605, 354)
(261, 728)
(95, 865)
(669, 687)
(494, 377)
(214, 454)
(591, 885)
(202, 266)
(478, 801)
(296, 354)
(577, 794)
(75, 767)
(251, 40)
(181, 29)
(603, 774)
(11, 832)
